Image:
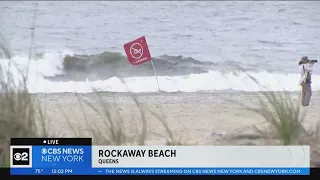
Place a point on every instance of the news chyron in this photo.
(50, 156)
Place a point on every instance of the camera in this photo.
(313, 61)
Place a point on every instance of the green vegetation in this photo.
(283, 120)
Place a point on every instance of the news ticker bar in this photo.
(160, 171)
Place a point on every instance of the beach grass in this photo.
(284, 121)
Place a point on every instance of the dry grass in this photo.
(283, 120)
(18, 110)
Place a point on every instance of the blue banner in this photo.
(160, 171)
(61, 157)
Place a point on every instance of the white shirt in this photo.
(304, 69)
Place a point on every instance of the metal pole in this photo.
(155, 73)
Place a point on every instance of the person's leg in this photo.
(308, 95)
(303, 94)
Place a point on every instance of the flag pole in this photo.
(155, 73)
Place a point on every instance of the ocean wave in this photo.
(48, 73)
(108, 64)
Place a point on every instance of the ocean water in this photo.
(196, 46)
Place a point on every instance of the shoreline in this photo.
(173, 93)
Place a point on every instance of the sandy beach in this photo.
(193, 117)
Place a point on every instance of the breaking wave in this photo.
(108, 64)
(66, 72)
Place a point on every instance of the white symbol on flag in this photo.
(136, 50)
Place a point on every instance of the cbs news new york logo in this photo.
(20, 156)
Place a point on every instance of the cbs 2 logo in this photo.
(21, 156)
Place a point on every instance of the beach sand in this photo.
(196, 118)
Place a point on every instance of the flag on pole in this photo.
(137, 51)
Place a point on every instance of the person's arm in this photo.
(308, 67)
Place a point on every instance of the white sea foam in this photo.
(51, 65)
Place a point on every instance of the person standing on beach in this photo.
(305, 81)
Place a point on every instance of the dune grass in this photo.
(284, 121)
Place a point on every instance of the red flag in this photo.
(137, 51)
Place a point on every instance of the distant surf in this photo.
(111, 72)
(109, 64)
